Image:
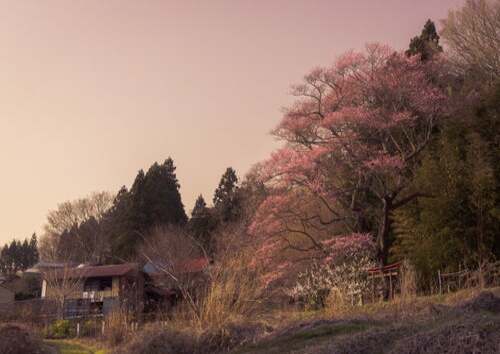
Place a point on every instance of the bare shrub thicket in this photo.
(471, 34)
(233, 292)
(116, 327)
(170, 248)
(226, 289)
(92, 245)
(219, 303)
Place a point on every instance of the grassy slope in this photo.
(72, 347)
(301, 340)
(435, 324)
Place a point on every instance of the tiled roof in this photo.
(114, 270)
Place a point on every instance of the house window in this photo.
(98, 284)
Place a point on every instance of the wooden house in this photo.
(97, 290)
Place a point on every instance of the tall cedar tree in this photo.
(202, 224)
(427, 44)
(153, 200)
(226, 200)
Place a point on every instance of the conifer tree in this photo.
(202, 224)
(226, 200)
(427, 44)
(153, 200)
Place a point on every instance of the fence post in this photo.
(439, 281)
(78, 329)
(373, 288)
(102, 328)
(391, 290)
(459, 273)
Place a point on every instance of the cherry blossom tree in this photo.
(352, 139)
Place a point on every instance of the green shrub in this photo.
(90, 328)
(61, 329)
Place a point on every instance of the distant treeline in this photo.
(107, 229)
(18, 255)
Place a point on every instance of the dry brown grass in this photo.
(19, 339)
(117, 327)
(225, 315)
(233, 293)
(158, 340)
(466, 322)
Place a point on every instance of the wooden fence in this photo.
(488, 274)
(33, 311)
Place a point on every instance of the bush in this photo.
(116, 327)
(232, 293)
(16, 339)
(338, 281)
(220, 339)
(229, 336)
(61, 329)
(159, 341)
(90, 328)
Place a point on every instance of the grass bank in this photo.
(66, 346)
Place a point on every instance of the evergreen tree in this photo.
(33, 251)
(68, 248)
(427, 44)
(202, 224)
(118, 224)
(18, 255)
(226, 197)
(15, 256)
(200, 206)
(4, 260)
(153, 200)
(162, 199)
(24, 254)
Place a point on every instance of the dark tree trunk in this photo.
(383, 241)
(383, 232)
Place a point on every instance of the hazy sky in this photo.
(93, 90)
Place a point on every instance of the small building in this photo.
(162, 293)
(95, 290)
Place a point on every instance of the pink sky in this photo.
(93, 90)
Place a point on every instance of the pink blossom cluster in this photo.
(276, 273)
(340, 248)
